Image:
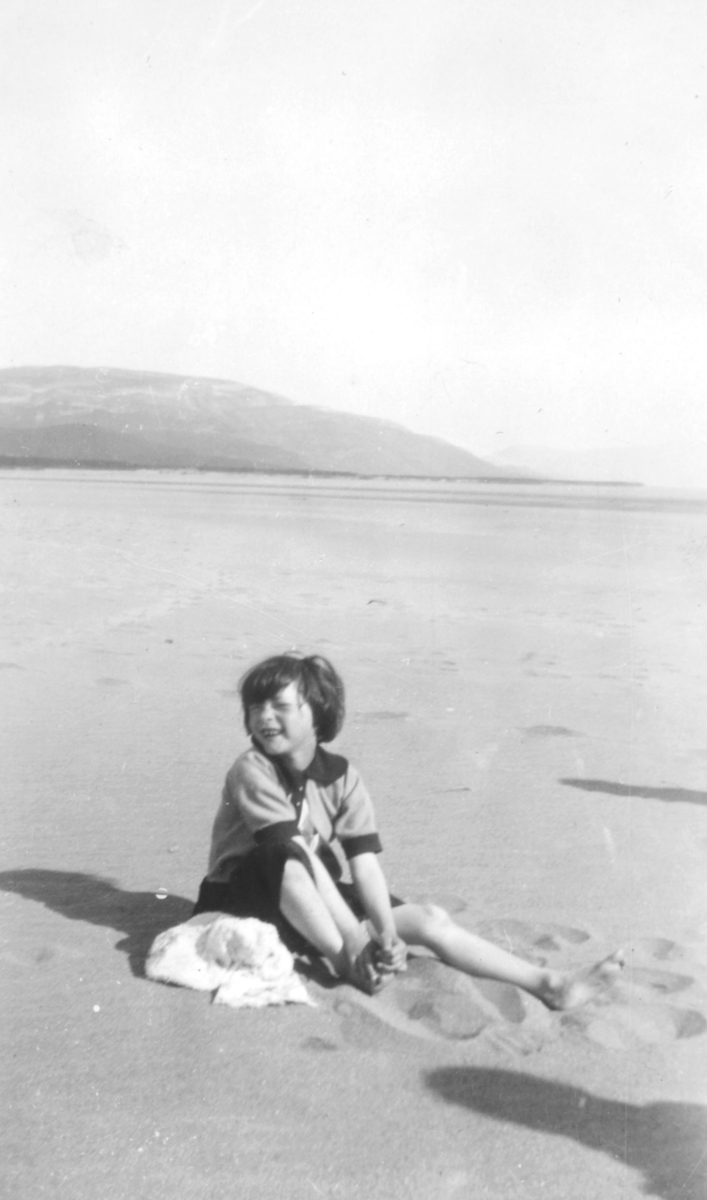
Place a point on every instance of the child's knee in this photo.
(432, 920)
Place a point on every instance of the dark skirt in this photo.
(253, 890)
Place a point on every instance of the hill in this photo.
(77, 416)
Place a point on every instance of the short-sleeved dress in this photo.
(264, 805)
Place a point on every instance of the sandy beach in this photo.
(525, 670)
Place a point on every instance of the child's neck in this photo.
(299, 759)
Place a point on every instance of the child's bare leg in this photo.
(327, 923)
(302, 905)
(430, 926)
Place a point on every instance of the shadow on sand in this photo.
(139, 915)
(666, 1142)
(670, 794)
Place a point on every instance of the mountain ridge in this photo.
(113, 416)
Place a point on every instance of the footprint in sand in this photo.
(543, 731)
(533, 942)
(319, 1044)
(663, 982)
(661, 949)
(433, 1003)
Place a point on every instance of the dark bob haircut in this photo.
(317, 682)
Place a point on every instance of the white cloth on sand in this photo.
(240, 959)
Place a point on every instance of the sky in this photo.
(484, 220)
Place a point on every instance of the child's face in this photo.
(284, 727)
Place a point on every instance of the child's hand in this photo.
(390, 955)
(361, 969)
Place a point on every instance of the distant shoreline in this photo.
(45, 464)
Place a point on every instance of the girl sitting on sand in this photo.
(285, 800)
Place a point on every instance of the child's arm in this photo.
(372, 890)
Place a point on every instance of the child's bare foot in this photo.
(355, 964)
(563, 992)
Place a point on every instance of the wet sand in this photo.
(526, 670)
